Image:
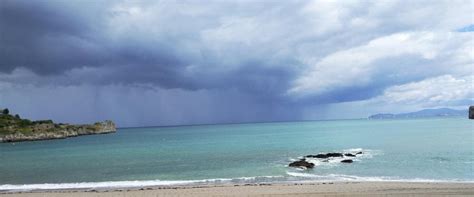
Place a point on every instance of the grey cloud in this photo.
(58, 42)
(46, 37)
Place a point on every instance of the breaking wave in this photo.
(136, 184)
(343, 177)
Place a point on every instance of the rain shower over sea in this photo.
(435, 149)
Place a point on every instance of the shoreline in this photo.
(218, 182)
(269, 189)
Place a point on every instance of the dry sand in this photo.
(303, 189)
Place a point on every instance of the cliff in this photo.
(15, 129)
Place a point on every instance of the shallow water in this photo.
(415, 150)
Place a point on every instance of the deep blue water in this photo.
(415, 150)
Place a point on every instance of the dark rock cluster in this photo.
(302, 163)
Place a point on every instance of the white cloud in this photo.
(437, 91)
(355, 67)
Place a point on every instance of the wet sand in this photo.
(294, 189)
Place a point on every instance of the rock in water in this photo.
(471, 112)
(325, 156)
(349, 155)
(301, 163)
(347, 161)
(320, 156)
(334, 154)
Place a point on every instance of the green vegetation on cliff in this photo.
(13, 128)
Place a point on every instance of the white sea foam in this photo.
(342, 177)
(87, 185)
(130, 184)
(306, 177)
(354, 150)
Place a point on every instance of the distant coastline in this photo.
(15, 129)
(426, 113)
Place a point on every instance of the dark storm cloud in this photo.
(52, 38)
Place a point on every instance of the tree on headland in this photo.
(17, 116)
(5, 111)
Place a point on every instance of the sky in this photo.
(146, 63)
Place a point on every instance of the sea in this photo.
(411, 150)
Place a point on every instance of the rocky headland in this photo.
(15, 129)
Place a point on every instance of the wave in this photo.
(133, 184)
(87, 185)
(343, 177)
(293, 177)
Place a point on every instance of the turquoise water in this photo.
(415, 150)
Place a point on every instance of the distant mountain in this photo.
(441, 112)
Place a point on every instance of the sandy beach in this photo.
(296, 189)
